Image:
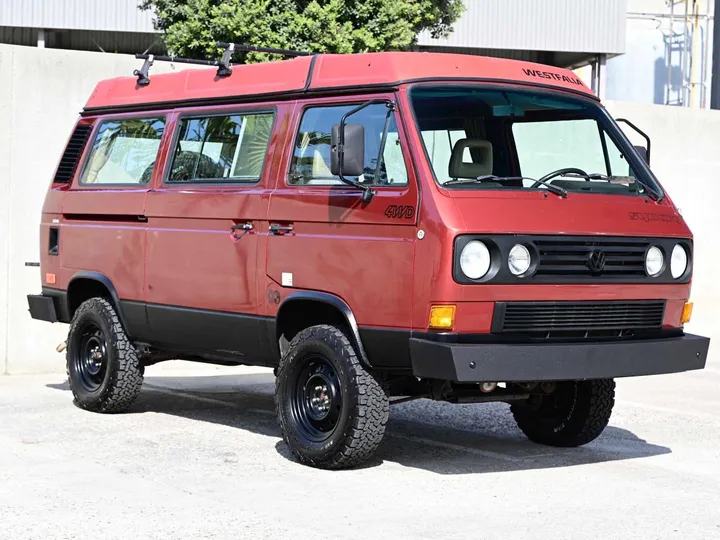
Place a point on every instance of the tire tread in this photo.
(126, 378)
(370, 415)
(583, 427)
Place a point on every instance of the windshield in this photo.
(484, 138)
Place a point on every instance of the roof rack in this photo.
(224, 67)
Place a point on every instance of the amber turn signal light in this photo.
(442, 317)
(686, 313)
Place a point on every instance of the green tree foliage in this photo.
(192, 27)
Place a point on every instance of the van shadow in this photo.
(436, 437)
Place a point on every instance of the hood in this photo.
(579, 213)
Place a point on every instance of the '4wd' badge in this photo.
(400, 212)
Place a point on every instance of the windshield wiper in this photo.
(657, 197)
(557, 190)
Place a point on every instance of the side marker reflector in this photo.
(686, 313)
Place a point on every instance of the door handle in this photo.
(244, 228)
(276, 228)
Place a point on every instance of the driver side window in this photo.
(311, 158)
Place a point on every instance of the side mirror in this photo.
(642, 151)
(347, 153)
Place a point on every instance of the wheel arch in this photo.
(85, 285)
(324, 308)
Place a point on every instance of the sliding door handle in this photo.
(276, 228)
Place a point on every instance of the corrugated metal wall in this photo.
(590, 26)
(582, 26)
(114, 15)
(86, 40)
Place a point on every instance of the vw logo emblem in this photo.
(596, 261)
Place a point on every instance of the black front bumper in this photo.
(556, 361)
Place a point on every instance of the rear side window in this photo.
(311, 160)
(124, 151)
(229, 148)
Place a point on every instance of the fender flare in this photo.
(105, 281)
(339, 304)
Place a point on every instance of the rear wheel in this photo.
(332, 411)
(575, 413)
(102, 365)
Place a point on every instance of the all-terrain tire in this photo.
(580, 418)
(362, 409)
(118, 381)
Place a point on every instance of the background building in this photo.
(567, 33)
(668, 56)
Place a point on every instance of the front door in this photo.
(204, 222)
(324, 238)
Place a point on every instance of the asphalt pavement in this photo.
(200, 456)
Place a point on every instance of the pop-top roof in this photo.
(324, 72)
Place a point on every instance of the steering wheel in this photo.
(559, 172)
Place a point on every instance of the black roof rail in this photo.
(224, 68)
(142, 73)
(253, 48)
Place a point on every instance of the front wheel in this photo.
(574, 414)
(332, 411)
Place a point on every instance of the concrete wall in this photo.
(686, 160)
(41, 92)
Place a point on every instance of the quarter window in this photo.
(229, 148)
(311, 159)
(124, 151)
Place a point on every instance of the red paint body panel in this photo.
(580, 213)
(250, 80)
(330, 71)
(116, 250)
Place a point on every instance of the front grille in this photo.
(542, 317)
(571, 258)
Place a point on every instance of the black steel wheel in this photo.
(316, 403)
(90, 357)
(332, 412)
(103, 368)
(573, 414)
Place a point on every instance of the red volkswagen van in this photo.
(376, 228)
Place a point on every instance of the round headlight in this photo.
(654, 261)
(475, 260)
(519, 260)
(678, 261)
